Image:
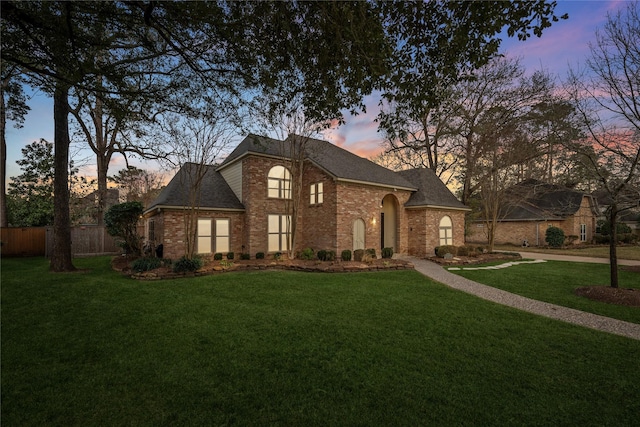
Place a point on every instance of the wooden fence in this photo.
(29, 241)
(38, 241)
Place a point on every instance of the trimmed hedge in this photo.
(387, 252)
(554, 236)
(441, 251)
(185, 264)
(346, 255)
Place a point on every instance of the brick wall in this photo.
(174, 236)
(424, 229)
(514, 232)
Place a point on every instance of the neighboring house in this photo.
(629, 217)
(84, 210)
(532, 206)
(347, 203)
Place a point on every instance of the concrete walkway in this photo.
(570, 315)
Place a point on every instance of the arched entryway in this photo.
(389, 222)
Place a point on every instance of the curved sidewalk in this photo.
(565, 314)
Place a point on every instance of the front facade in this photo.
(346, 202)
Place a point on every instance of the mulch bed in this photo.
(123, 265)
(607, 294)
(479, 259)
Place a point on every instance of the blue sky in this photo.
(565, 44)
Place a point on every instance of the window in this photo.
(222, 235)
(279, 183)
(151, 236)
(279, 233)
(583, 232)
(204, 236)
(316, 194)
(210, 239)
(446, 231)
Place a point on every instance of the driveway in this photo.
(555, 257)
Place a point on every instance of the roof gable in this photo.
(336, 161)
(215, 193)
(431, 190)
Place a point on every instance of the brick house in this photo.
(532, 206)
(347, 202)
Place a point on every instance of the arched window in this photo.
(446, 231)
(279, 183)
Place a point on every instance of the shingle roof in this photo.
(537, 200)
(214, 191)
(431, 190)
(336, 161)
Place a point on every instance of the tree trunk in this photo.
(102, 166)
(4, 222)
(61, 255)
(613, 244)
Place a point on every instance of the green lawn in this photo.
(555, 282)
(624, 252)
(283, 348)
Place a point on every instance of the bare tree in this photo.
(289, 123)
(607, 96)
(193, 144)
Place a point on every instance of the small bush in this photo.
(446, 249)
(307, 254)
(346, 255)
(230, 255)
(464, 250)
(322, 255)
(554, 237)
(358, 254)
(371, 252)
(185, 264)
(277, 256)
(387, 252)
(217, 256)
(260, 255)
(245, 256)
(331, 255)
(146, 264)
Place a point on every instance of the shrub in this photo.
(446, 249)
(217, 256)
(371, 252)
(331, 255)
(554, 237)
(122, 221)
(245, 256)
(230, 255)
(307, 253)
(346, 255)
(260, 255)
(185, 264)
(387, 252)
(358, 254)
(464, 250)
(277, 256)
(146, 264)
(322, 255)
(605, 228)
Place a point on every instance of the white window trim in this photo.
(316, 194)
(284, 230)
(280, 185)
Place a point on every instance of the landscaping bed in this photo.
(476, 259)
(123, 265)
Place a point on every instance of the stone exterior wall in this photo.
(424, 229)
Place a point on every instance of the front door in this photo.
(358, 234)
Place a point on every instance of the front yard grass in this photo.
(556, 281)
(284, 348)
(623, 252)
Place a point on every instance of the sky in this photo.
(563, 45)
